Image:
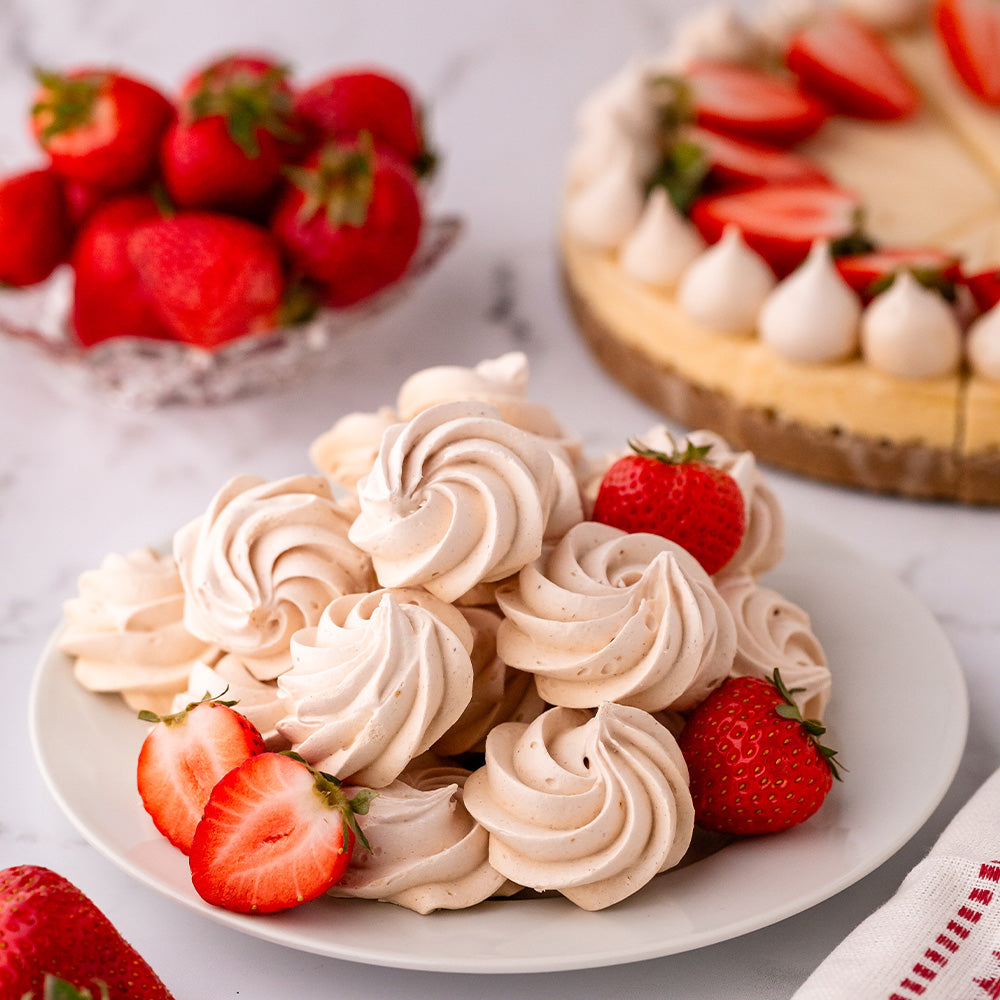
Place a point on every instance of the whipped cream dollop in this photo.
(717, 33)
(812, 316)
(590, 804)
(983, 344)
(347, 451)
(262, 702)
(662, 245)
(608, 206)
(773, 633)
(605, 615)
(264, 561)
(726, 286)
(126, 630)
(427, 852)
(625, 99)
(374, 684)
(458, 497)
(499, 692)
(911, 331)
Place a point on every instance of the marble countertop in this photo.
(79, 479)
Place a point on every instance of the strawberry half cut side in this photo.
(970, 33)
(275, 833)
(781, 222)
(750, 104)
(847, 65)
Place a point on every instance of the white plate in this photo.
(880, 641)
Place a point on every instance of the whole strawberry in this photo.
(233, 135)
(680, 496)
(100, 126)
(342, 105)
(756, 766)
(35, 230)
(49, 927)
(350, 220)
(211, 277)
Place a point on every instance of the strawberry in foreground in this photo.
(35, 230)
(781, 222)
(679, 496)
(275, 833)
(182, 759)
(970, 33)
(756, 766)
(100, 126)
(233, 135)
(49, 928)
(846, 64)
(211, 277)
(350, 220)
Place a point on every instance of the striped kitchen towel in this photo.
(938, 938)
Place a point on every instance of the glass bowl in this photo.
(140, 373)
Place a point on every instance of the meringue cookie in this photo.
(347, 451)
(458, 497)
(608, 207)
(983, 345)
(662, 245)
(717, 33)
(427, 852)
(263, 562)
(812, 316)
(126, 630)
(911, 331)
(376, 683)
(592, 805)
(726, 286)
(773, 633)
(605, 615)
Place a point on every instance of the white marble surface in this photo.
(79, 479)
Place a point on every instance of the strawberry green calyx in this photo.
(331, 791)
(175, 717)
(67, 101)
(58, 989)
(691, 453)
(341, 185)
(247, 102)
(930, 278)
(789, 710)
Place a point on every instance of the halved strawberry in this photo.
(870, 273)
(970, 33)
(751, 104)
(781, 222)
(985, 288)
(846, 64)
(275, 833)
(182, 759)
(738, 162)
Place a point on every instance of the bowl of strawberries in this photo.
(196, 248)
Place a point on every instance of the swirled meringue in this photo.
(605, 615)
(126, 630)
(773, 633)
(499, 692)
(458, 497)
(662, 245)
(812, 316)
(427, 852)
(592, 805)
(262, 702)
(378, 680)
(263, 562)
(724, 289)
(347, 451)
(911, 331)
(983, 345)
(604, 210)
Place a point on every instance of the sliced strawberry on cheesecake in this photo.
(871, 273)
(751, 104)
(970, 33)
(851, 68)
(984, 287)
(741, 163)
(781, 222)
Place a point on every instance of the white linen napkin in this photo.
(938, 938)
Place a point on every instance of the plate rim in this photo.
(282, 930)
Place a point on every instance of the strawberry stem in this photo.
(815, 728)
(691, 452)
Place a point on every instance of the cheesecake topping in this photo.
(663, 244)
